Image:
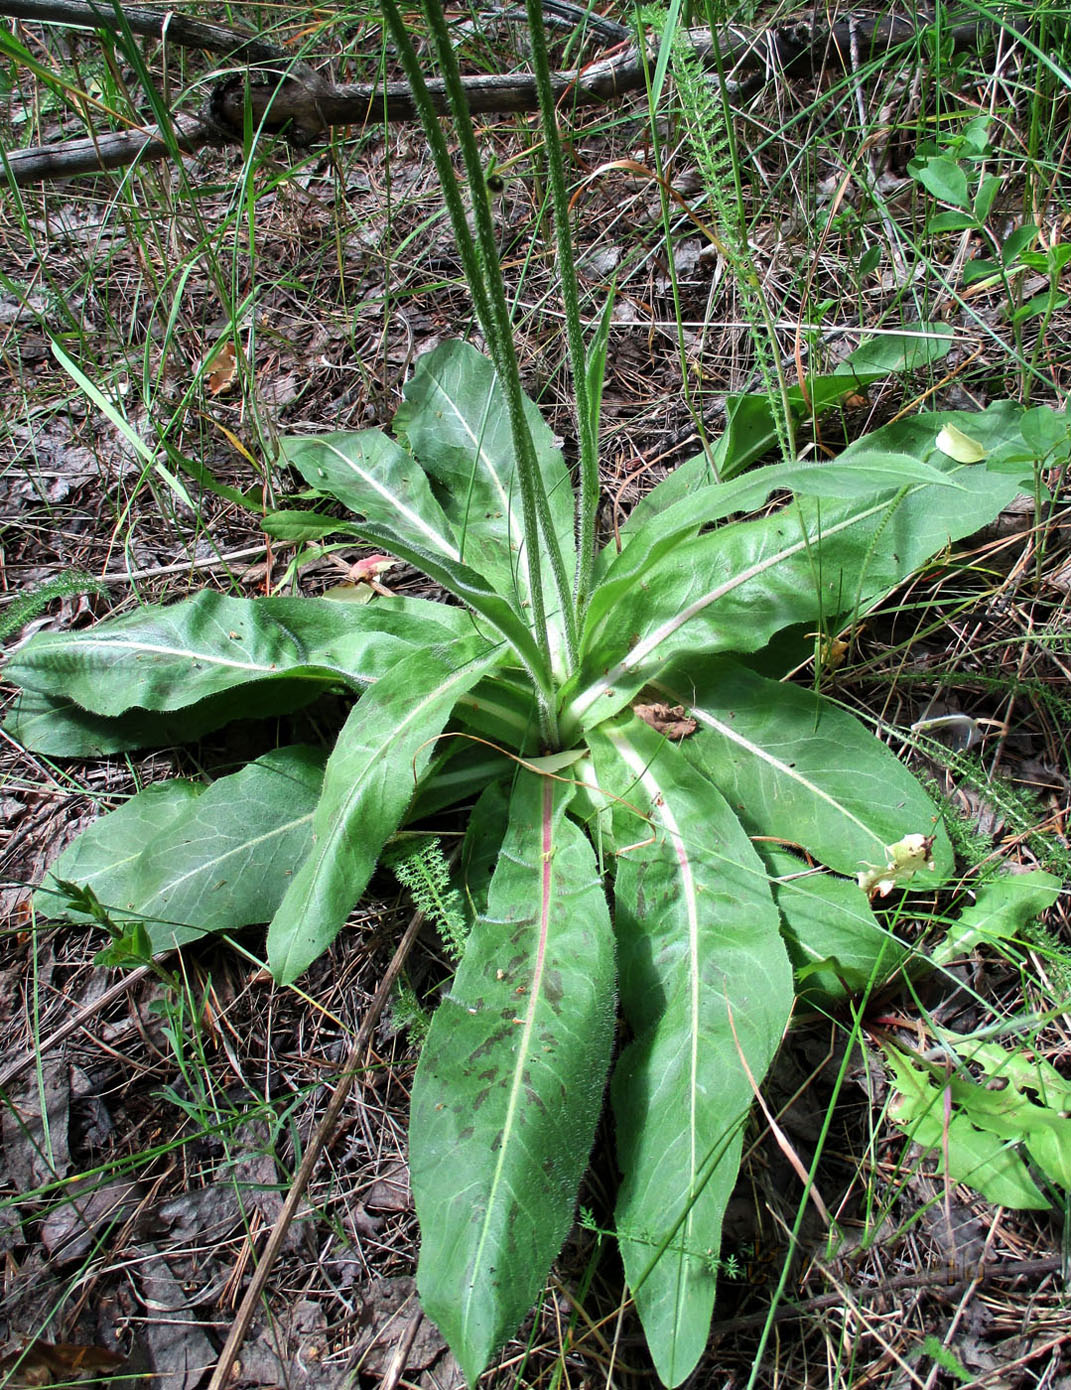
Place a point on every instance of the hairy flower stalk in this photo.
(586, 417)
(479, 258)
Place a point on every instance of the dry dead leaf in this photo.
(56, 1363)
(384, 1309)
(389, 1190)
(220, 369)
(36, 1150)
(70, 1229)
(292, 1349)
(179, 1350)
(673, 721)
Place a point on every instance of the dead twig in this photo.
(80, 1019)
(279, 93)
(990, 1272)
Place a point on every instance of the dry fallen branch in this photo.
(280, 94)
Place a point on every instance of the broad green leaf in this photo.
(1000, 910)
(980, 269)
(214, 860)
(837, 946)
(736, 587)
(472, 589)
(416, 619)
(1045, 433)
(384, 747)
(704, 978)
(751, 431)
(482, 848)
(457, 777)
(454, 418)
(298, 526)
(1017, 241)
(866, 474)
(102, 857)
(796, 768)
(989, 1163)
(511, 1079)
(973, 139)
(503, 712)
(378, 481)
(984, 198)
(55, 725)
(943, 177)
(952, 222)
(1040, 304)
(169, 658)
(915, 345)
(999, 424)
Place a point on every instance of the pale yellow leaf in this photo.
(959, 446)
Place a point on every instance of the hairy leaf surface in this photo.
(371, 776)
(455, 420)
(456, 777)
(188, 862)
(837, 945)
(751, 429)
(377, 480)
(298, 526)
(103, 855)
(510, 1081)
(472, 589)
(504, 712)
(170, 658)
(56, 725)
(862, 475)
(482, 848)
(704, 978)
(795, 767)
(733, 589)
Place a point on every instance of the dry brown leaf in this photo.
(673, 721)
(69, 1230)
(389, 1190)
(56, 1363)
(36, 1148)
(220, 370)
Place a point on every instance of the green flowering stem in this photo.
(479, 259)
(586, 419)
